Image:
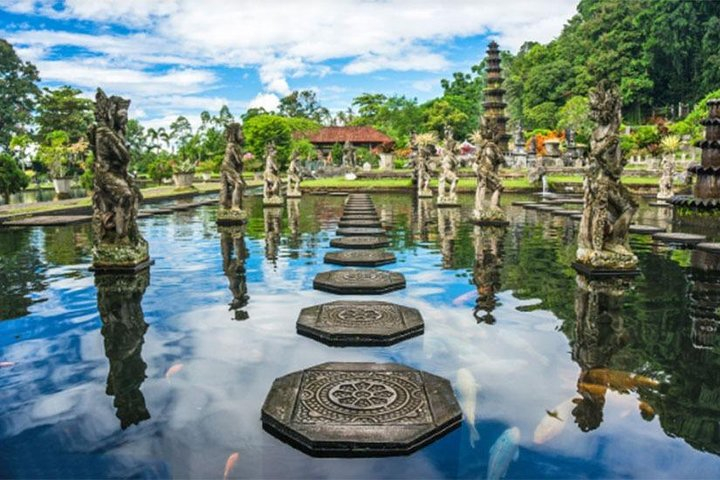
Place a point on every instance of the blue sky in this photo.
(173, 57)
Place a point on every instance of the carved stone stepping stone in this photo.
(353, 216)
(359, 242)
(48, 221)
(569, 201)
(534, 206)
(350, 281)
(348, 324)
(564, 213)
(359, 223)
(521, 204)
(645, 229)
(677, 238)
(360, 258)
(181, 208)
(360, 232)
(709, 247)
(360, 409)
(546, 208)
(161, 211)
(365, 210)
(576, 216)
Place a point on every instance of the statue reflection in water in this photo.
(272, 219)
(293, 214)
(448, 220)
(600, 334)
(119, 299)
(423, 219)
(486, 270)
(234, 254)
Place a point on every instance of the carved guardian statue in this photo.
(271, 178)
(487, 168)
(232, 184)
(118, 245)
(609, 208)
(293, 177)
(447, 183)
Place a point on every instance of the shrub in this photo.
(12, 178)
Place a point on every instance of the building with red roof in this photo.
(367, 137)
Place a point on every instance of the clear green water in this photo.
(123, 379)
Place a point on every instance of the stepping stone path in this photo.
(360, 409)
(360, 258)
(360, 232)
(353, 281)
(645, 229)
(48, 221)
(360, 323)
(534, 206)
(677, 238)
(359, 223)
(709, 247)
(564, 213)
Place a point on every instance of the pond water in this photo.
(34, 195)
(164, 375)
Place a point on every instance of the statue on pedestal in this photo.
(665, 190)
(447, 194)
(271, 178)
(293, 177)
(232, 184)
(423, 145)
(609, 208)
(118, 245)
(487, 165)
(348, 158)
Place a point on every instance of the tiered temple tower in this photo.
(704, 203)
(494, 103)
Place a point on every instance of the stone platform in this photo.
(360, 258)
(644, 229)
(360, 232)
(359, 242)
(681, 239)
(349, 281)
(360, 409)
(48, 221)
(359, 323)
(352, 223)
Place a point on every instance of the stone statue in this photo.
(570, 138)
(609, 208)
(118, 244)
(665, 191)
(348, 158)
(234, 254)
(271, 178)
(232, 184)
(532, 148)
(487, 166)
(422, 167)
(119, 303)
(519, 140)
(293, 177)
(447, 194)
(329, 161)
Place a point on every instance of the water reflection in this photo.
(272, 220)
(448, 220)
(234, 254)
(423, 219)
(22, 276)
(704, 293)
(488, 243)
(119, 299)
(599, 334)
(293, 214)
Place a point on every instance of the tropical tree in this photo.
(12, 178)
(18, 93)
(63, 109)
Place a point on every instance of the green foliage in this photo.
(441, 112)
(363, 155)
(575, 114)
(304, 148)
(64, 109)
(263, 129)
(159, 167)
(12, 178)
(337, 151)
(647, 135)
(54, 153)
(690, 125)
(303, 104)
(543, 116)
(18, 93)
(396, 116)
(87, 179)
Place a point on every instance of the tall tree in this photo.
(18, 93)
(64, 109)
(303, 104)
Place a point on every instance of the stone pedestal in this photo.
(231, 216)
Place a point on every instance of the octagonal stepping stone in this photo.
(350, 281)
(360, 323)
(354, 216)
(533, 206)
(521, 203)
(360, 409)
(359, 223)
(365, 210)
(709, 247)
(360, 232)
(678, 238)
(645, 229)
(360, 258)
(359, 242)
(546, 208)
(576, 216)
(564, 213)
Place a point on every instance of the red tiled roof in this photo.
(354, 134)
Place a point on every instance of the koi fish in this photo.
(7, 364)
(553, 423)
(468, 388)
(230, 464)
(465, 297)
(173, 370)
(504, 450)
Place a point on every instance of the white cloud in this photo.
(425, 85)
(268, 101)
